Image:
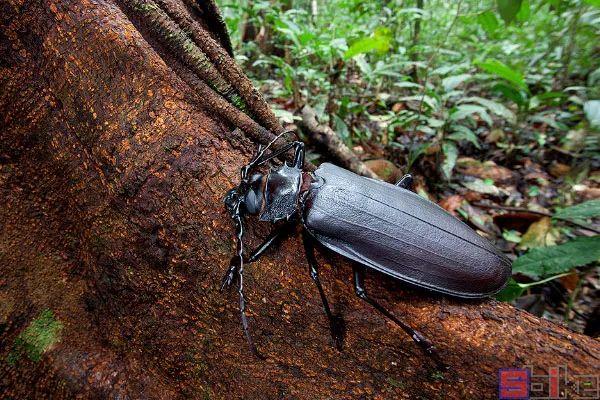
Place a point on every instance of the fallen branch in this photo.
(325, 137)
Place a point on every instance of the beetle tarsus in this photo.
(429, 349)
(229, 276)
(338, 331)
(423, 343)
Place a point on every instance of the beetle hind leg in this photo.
(336, 322)
(424, 343)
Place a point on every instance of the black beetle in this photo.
(376, 224)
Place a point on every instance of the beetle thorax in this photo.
(281, 193)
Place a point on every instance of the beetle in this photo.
(378, 225)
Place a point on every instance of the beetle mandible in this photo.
(377, 225)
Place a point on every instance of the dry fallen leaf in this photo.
(570, 281)
(451, 203)
(539, 234)
(519, 221)
(483, 170)
(384, 169)
(558, 169)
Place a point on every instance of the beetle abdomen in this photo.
(402, 235)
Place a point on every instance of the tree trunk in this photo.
(116, 149)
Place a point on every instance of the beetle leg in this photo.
(405, 182)
(422, 341)
(336, 323)
(275, 236)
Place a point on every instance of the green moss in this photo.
(396, 383)
(38, 337)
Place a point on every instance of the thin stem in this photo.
(527, 285)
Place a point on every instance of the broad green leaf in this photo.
(431, 102)
(341, 129)
(545, 261)
(588, 209)
(511, 236)
(488, 22)
(524, 12)
(503, 71)
(495, 107)
(559, 126)
(415, 152)
(594, 77)
(595, 3)
(592, 112)
(466, 110)
(508, 9)
(451, 82)
(461, 132)
(512, 291)
(407, 84)
(450, 155)
(379, 42)
(511, 93)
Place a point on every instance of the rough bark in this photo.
(112, 171)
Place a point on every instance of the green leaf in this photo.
(379, 42)
(508, 9)
(524, 12)
(592, 112)
(544, 261)
(595, 3)
(495, 107)
(511, 93)
(511, 236)
(461, 132)
(341, 129)
(503, 71)
(451, 82)
(588, 209)
(466, 110)
(450, 155)
(512, 291)
(415, 152)
(488, 22)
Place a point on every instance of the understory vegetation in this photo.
(494, 107)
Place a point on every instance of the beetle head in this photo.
(247, 198)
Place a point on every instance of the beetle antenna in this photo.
(261, 150)
(240, 255)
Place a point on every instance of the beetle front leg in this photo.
(276, 236)
(424, 343)
(336, 323)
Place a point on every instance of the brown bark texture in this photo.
(117, 144)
